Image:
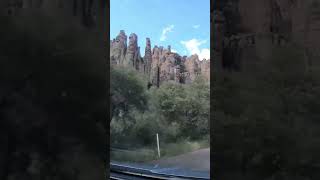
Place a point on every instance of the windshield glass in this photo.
(160, 83)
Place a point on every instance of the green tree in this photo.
(128, 92)
(171, 98)
(186, 105)
(197, 109)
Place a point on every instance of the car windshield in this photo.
(160, 83)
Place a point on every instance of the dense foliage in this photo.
(175, 111)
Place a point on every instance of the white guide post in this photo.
(158, 145)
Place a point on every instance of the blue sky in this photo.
(183, 24)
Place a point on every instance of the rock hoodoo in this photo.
(148, 56)
(118, 49)
(160, 64)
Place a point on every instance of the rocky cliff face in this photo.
(192, 68)
(205, 69)
(118, 49)
(132, 58)
(248, 29)
(148, 56)
(127, 55)
(160, 64)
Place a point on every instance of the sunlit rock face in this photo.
(159, 64)
(192, 67)
(205, 69)
(118, 49)
(132, 52)
(168, 67)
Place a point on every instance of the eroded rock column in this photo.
(148, 56)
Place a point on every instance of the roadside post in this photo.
(158, 145)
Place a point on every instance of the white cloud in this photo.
(165, 31)
(174, 51)
(204, 54)
(193, 47)
(196, 26)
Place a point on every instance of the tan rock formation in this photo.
(132, 54)
(148, 56)
(155, 65)
(192, 67)
(168, 67)
(118, 49)
(205, 69)
(160, 64)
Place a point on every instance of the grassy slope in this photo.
(167, 150)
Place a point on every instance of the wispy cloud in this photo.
(193, 47)
(196, 26)
(165, 31)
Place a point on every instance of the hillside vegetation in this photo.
(178, 112)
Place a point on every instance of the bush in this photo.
(175, 111)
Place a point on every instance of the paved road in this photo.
(198, 160)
